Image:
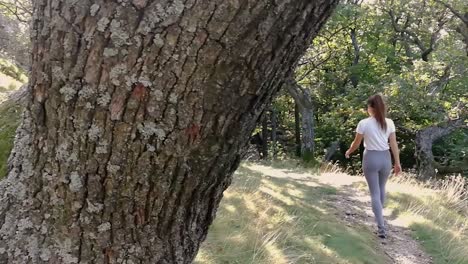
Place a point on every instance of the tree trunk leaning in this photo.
(136, 119)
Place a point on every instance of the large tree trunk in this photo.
(424, 141)
(136, 119)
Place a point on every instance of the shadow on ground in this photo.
(268, 219)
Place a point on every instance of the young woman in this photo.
(377, 131)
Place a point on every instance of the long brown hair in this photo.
(380, 109)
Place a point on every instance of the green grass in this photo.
(264, 219)
(9, 120)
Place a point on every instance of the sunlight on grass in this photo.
(436, 212)
(283, 173)
(406, 219)
(266, 217)
(339, 179)
(438, 217)
(278, 214)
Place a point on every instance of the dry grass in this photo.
(437, 212)
(280, 215)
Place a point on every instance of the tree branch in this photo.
(463, 18)
(355, 46)
(298, 94)
(411, 35)
(22, 10)
(437, 85)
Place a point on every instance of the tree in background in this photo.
(305, 125)
(15, 16)
(414, 53)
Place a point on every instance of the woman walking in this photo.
(377, 131)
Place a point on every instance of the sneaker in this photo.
(381, 233)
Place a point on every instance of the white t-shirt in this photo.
(375, 138)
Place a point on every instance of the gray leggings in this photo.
(376, 166)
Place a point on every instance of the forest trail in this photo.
(353, 205)
(400, 246)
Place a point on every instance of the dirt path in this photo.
(355, 206)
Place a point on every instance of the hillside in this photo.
(281, 213)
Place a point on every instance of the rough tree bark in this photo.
(297, 129)
(302, 99)
(136, 120)
(424, 141)
(308, 132)
(265, 135)
(357, 55)
(274, 135)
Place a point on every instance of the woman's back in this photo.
(375, 137)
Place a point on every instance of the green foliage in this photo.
(422, 90)
(308, 158)
(456, 159)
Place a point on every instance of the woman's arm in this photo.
(396, 153)
(356, 142)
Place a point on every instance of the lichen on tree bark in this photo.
(137, 118)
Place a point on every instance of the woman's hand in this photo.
(348, 153)
(396, 153)
(356, 142)
(397, 168)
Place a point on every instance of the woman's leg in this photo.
(383, 177)
(371, 170)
